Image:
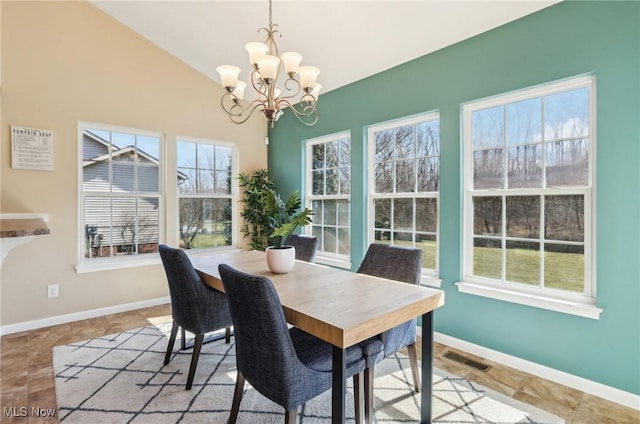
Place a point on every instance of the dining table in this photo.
(340, 307)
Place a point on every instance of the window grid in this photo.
(328, 194)
(205, 194)
(421, 230)
(120, 214)
(546, 192)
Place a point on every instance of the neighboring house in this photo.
(110, 220)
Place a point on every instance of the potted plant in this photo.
(283, 218)
(256, 217)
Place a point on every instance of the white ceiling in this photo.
(347, 40)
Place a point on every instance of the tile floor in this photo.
(26, 373)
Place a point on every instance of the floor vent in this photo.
(464, 360)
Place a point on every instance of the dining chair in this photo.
(195, 307)
(306, 246)
(394, 263)
(286, 365)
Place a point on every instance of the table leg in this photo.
(427, 368)
(338, 387)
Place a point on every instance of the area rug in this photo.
(121, 379)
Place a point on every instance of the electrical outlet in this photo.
(53, 290)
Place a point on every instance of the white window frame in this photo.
(125, 261)
(581, 304)
(233, 196)
(430, 277)
(327, 258)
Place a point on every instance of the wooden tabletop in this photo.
(338, 306)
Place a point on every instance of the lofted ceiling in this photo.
(347, 40)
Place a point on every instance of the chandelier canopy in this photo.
(299, 92)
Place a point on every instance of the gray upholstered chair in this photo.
(287, 366)
(195, 307)
(306, 246)
(394, 263)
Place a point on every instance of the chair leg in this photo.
(194, 359)
(237, 397)
(172, 341)
(415, 370)
(358, 396)
(290, 416)
(227, 335)
(183, 345)
(368, 394)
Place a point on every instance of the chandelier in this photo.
(299, 92)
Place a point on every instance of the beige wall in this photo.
(65, 62)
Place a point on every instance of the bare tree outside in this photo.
(406, 165)
(204, 190)
(131, 227)
(330, 194)
(191, 220)
(521, 149)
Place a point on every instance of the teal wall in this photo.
(565, 40)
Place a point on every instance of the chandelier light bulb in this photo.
(228, 76)
(256, 51)
(239, 91)
(316, 90)
(308, 77)
(268, 66)
(291, 62)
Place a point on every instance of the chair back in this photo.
(393, 262)
(397, 263)
(265, 353)
(186, 288)
(306, 246)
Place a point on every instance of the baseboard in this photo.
(77, 316)
(612, 394)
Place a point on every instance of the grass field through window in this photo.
(563, 271)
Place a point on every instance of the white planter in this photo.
(280, 261)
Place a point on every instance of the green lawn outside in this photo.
(564, 271)
(209, 240)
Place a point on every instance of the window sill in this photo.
(338, 263)
(430, 281)
(209, 250)
(110, 264)
(585, 310)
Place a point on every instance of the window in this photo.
(120, 193)
(529, 191)
(404, 179)
(329, 195)
(205, 200)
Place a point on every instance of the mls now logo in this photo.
(23, 411)
(14, 411)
